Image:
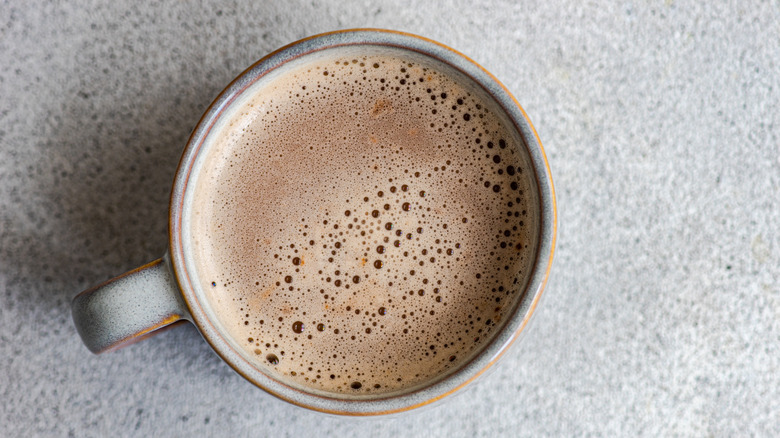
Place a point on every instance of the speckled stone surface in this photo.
(662, 316)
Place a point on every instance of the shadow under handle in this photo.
(129, 308)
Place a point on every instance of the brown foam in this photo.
(363, 224)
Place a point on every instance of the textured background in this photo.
(661, 123)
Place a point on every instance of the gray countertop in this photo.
(661, 124)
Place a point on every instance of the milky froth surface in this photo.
(363, 224)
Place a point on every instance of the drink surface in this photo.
(363, 223)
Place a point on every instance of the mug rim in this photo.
(518, 318)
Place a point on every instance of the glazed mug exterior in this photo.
(133, 306)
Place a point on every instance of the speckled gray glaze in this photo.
(125, 309)
(161, 293)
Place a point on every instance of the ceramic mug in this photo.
(136, 304)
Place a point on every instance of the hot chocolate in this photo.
(363, 223)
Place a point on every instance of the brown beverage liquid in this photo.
(363, 224)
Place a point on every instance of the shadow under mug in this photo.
(133, 306)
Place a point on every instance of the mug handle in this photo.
(129, 308)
